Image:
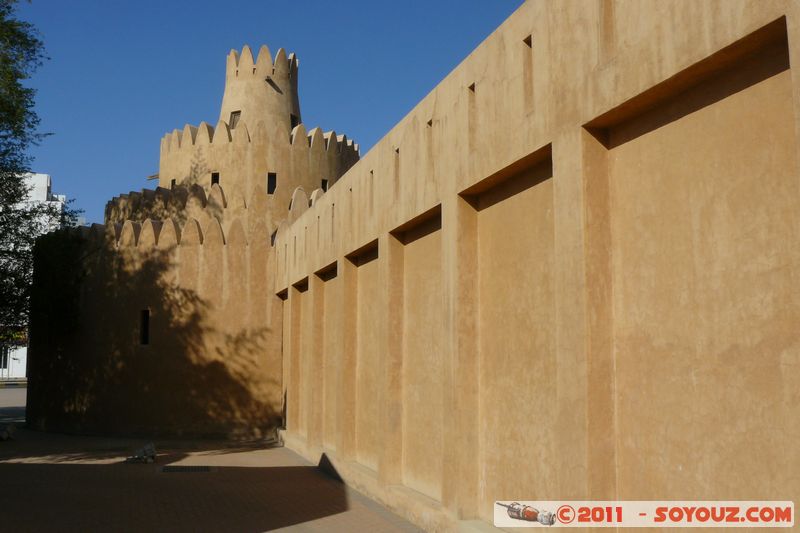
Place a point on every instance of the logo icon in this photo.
(527, 513)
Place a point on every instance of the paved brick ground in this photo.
(54, 482)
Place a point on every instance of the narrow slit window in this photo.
(144, 327)
(172, 183)
(235, 116)
(528, 41)
(272, 182)
(215, 178)
(325, 185)
(272, 238)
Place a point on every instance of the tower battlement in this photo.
(259, 137)
(261, 89)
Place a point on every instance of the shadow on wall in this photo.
(118, 347)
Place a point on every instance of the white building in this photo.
(13, 361)
(41, 191)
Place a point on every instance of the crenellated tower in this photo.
(261, 90)
(259, 152)
(183, 273)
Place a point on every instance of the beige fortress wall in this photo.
(423, 406)
(705, 302)
(608, 310)
(213, 359)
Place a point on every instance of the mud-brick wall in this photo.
(206, 359)
(569, 272)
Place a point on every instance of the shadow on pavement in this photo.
(12, 415)
(128, 497)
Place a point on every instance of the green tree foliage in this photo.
(21, 53)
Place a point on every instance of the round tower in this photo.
(261, 89)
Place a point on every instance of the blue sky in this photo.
(123, 73)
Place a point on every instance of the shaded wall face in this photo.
(705, 231)
(155, 348)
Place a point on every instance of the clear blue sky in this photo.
(123, 73)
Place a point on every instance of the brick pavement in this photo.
(51, 482)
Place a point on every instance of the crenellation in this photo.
(241, 135)
(213, 234)
(188, 136)
(170, 234)
(148, 235)
(236, 234)
(192, 233)
(129, 235)
(203, 135)
(298, 204)
(264, 64)
(222, 133)
(316, 194)
(216, 198)
(245, 63)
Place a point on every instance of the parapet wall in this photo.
(244, 160)
(181, 202)
(567, 273)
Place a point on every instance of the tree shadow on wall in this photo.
(118, 347)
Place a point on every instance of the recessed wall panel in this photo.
(368, 361)
(517, 338)
(423, 408)
(332, 348)
(705, 226)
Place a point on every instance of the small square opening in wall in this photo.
(215, 178)
(528, 41)
(144, 327)
(272, 182)
(235, 116)
(471, 87)
(430, 123)
(324, 185)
